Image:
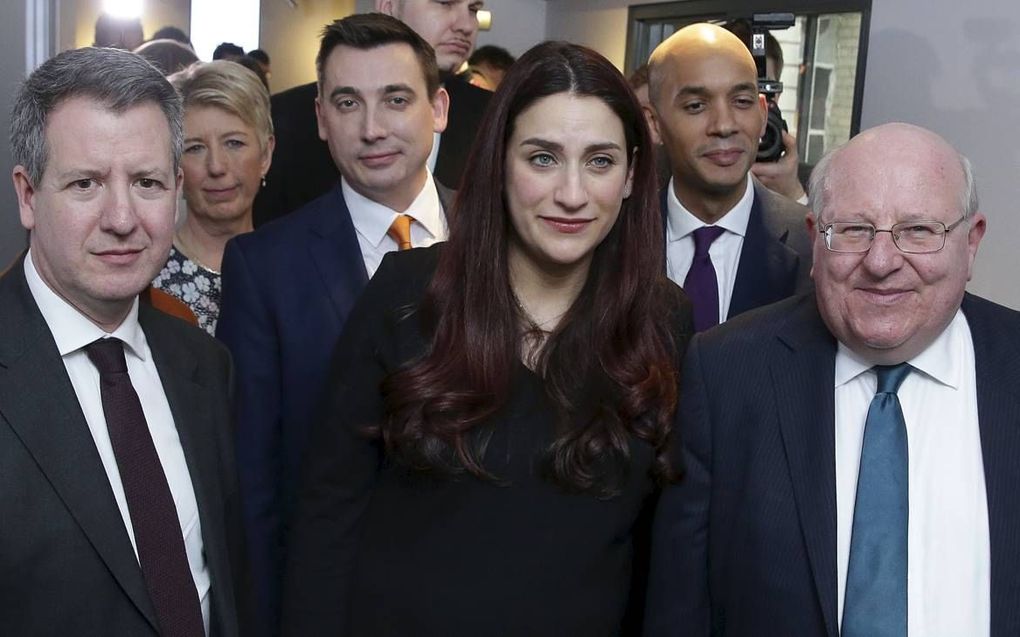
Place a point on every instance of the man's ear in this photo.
(653, 122)
(763, 104)
(26, 196)
(318, 119)
(811, 223)
(440, 110)
(386, 6)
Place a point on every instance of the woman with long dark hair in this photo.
(500, 409)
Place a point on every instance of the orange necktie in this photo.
(400, 231)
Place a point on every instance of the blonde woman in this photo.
(228, 146)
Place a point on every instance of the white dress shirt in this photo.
(948, 552)
(372, 222)
(724, 251)
(72, 331)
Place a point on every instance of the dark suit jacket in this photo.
(287, 291)
(303, 169)
(775, 260)
(467, 108)
(66, 562)
(746, 543)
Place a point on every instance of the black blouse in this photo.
(379, 550)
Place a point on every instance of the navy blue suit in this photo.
(746, 543)
(287, 290)
(775, 260)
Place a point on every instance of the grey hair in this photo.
(818, 184)
(117, 79)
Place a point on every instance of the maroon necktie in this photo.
(701, 284)
(158, 536)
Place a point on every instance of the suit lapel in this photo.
(38, 402)
(996, 357)
(767, 267)
(804, 382)
(337, 254)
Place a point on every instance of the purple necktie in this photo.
(158, 536)
(701, 285)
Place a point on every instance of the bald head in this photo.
(695, 43)
(705, 105)
(903, 151)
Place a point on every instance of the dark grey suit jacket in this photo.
(775, 260)
(745, 544)
(66, 562)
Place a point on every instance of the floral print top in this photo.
(199, 287)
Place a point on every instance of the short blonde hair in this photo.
(230, 86)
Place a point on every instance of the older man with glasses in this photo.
(863, 480)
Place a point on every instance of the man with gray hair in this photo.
(119, 500)
(863, 480)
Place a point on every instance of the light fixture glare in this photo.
(123, 8)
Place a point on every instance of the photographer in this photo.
(781, 175)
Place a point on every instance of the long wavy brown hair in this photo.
(609, 368)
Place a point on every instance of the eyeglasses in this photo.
(912, 237)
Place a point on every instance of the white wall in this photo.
(958, 74)
(517, 25)
(599, 24)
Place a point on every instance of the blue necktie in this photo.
(875, 604)
(701, 284)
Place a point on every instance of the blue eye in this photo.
(542, 160)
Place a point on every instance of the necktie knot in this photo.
(107, 354)
(890, 377)
(400, 231)
(703, 239)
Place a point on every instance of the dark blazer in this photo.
(467, 108)
(287, 290)
(303, 169)
(746, 543)
(66, 562)
(775, 260)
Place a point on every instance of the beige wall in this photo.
(599, 24)
(291, 37)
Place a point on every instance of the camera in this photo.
(771, 147)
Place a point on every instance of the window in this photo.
(217, 21)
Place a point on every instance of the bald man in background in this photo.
(732, 243)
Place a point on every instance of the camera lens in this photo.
(771, 147)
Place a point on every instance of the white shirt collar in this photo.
(71, 329)
(681, 222)
(938, 361)
(372, 219)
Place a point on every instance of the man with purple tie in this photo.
(731, 242)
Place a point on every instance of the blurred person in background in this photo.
(487, 66)
(780, 176)
(118, 33)
(227, 51)
(169, 56)
(228, 146)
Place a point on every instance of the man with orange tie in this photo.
(289, 286)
